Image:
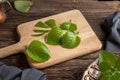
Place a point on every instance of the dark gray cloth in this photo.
(13, 73)
(112, 25)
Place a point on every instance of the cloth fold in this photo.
(13, 73)
(112, 25)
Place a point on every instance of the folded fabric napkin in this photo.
(13, 73)
(112, 25)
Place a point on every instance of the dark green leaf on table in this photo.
(51, 23)
(70, 40)
(38, 51)
(40, 31)
(54, 36)
(22, 5)
(41, 24)
(68, 26)
(39, 34)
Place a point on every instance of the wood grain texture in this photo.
(85, 32)
(94, 12)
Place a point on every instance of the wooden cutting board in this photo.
(89, 40)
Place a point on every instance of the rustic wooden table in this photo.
(94, 11)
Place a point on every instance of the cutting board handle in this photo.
(12, 49)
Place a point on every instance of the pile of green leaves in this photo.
(109, 66)
(64, 35)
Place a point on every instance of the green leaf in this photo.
(104, 66)
(107, 73)
(103, 77)
(54, 36)
(51, 23)
(39, 31)
(38, 51)
(22, 5)
(112, 78)
(65, 26)
(115, 76)
(41, 24)
(70, 40)
(68, 26)
(106, 56)
(117, 64)
(73, 27)
(38, 34)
